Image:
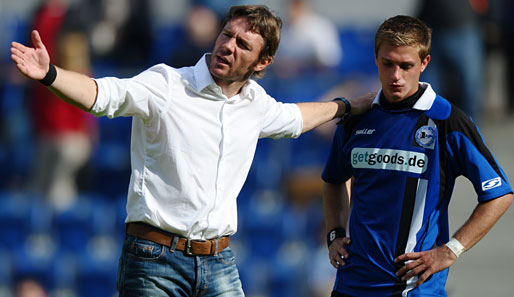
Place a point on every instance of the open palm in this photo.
(32, 62)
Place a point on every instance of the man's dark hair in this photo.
(264, 22)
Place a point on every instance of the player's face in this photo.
(399, 68)
(236, 53)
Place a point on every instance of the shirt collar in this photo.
(203, 80)
(424, 102)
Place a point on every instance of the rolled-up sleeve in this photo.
(281, 120)
(140, 96)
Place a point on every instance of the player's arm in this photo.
(74, 88)
(336, 207)
(317, 113)
(483, 218)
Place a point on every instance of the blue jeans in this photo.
(150, 269)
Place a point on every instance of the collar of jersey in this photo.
(424, 102)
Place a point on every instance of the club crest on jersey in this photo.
(425, 136)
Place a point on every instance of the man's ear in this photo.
(424, 63)
(262, 64)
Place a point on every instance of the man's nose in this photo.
(229, 45)
(396, 73)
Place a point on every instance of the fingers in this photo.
(362, 104)
(36, 40)
(411, 261)
(338, 253)
(411, 269)
(17, 47)
(406, 257)
(423, 278)
(337, 260)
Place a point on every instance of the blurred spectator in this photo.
(456, 67)
(123, 32)
(29, 287)
(64, 133)
(309, 41)
(202, 27)
(219, 7)
(500, 38)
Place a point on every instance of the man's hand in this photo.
(337, 251)
(32, 62)
(362, 103)
(425, 263)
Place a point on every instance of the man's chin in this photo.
(217, 72)
(395, 96)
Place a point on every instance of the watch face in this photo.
(332, 235)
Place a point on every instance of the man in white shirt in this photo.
(194, 134)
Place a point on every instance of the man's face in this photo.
(399, 68)
(236, 53)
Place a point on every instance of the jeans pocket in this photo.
(227, 257)
(144, 249)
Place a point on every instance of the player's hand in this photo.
(425, 263)
(337, 252)
(362, 103)
(32, 62)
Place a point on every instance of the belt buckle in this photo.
(188, 246)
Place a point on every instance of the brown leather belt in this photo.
(190, 247)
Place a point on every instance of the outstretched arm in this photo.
(426, 263)
(317, 113)
(34, 62)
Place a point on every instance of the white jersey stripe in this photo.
(415, 226)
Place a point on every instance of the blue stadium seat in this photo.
(73, 226)
(98, 268)
(358, 46)
(40, 215)
(35, 258)
(14, 210)
(6, 268)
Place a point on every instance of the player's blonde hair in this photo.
(404, 30)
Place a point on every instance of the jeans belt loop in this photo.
(188, 247)
(216, 250)
(173, 245)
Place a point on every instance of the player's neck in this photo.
(405, 103)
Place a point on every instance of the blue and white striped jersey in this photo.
(404, 164)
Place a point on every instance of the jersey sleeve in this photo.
(337, 168)
(472, 159)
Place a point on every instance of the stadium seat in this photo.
(73, 226)
(14, 210)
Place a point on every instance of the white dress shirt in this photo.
(191, 147)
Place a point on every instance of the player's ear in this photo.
(424, 63)
(262, 64)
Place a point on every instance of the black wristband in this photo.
(348, 108)
(334, 234)
(50, 76)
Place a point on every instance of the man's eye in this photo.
(242, 44)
